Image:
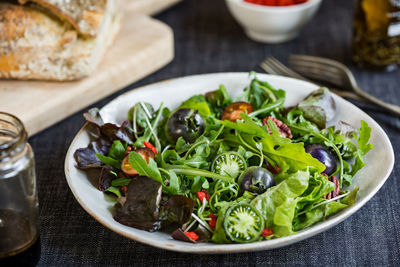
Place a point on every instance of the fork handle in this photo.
(389, 107)
(348, 94)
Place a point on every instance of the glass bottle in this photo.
(376, 34)
(18, 197)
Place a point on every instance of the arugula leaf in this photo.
(109, 161)
(288, 156)
(151, 170)
(181, 145)
(173, 183)
(260, 94)
(363, 147)
(199, 103)
(247, 125)
(218, 100)
(143, 168)
(291, 156)
(137, 115)
(188, 171)
(115, 155)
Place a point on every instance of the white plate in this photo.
(380, 160)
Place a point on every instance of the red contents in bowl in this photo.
(276, 2)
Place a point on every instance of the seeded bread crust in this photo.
(36, 44)
(84, 15)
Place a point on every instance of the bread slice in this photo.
(84, 16)
(36, 44)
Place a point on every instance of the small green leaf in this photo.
(117, 150)
(121, 181)
(140, 165)
(115, 190)
(109, 161)
(197, 102)
(173, 187)
(363, 147)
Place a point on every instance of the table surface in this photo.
(209, 40)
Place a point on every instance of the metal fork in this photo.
(336, 73)
(273, 66)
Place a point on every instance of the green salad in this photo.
(224, 170)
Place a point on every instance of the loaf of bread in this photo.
(55, 39)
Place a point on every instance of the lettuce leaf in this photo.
(278, 204)
(323, 211)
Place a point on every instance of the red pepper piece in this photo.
(149, 145)
(267, 232)
(203, 194)
(207, 194)
(273, 169)
(213, 221)
(192, 235)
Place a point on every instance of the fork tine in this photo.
(348, 80)
(317, 68)
(324, 61)
(271, 65)
(268, 68)
(330, 67)
(317, 74)
(334, 74)
(286, 70)
(274, 66)
(317, 65)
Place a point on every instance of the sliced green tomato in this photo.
(243, 223)
(229, 163)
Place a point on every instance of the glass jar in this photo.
(376, 34)
(18, 197)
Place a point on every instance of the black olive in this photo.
(256, 180)
(186, 123)
(324, 155)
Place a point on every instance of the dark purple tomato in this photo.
(324, 155)
(186, 123)
(256, 180)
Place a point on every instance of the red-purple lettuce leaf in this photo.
(141, 208)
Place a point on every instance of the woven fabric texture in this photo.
(207, 39)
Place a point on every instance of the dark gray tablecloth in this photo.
(208, 40)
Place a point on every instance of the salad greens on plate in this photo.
(224, 170)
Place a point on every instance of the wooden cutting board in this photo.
(142, 46)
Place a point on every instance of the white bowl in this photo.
(272, 24)
(380, 159)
